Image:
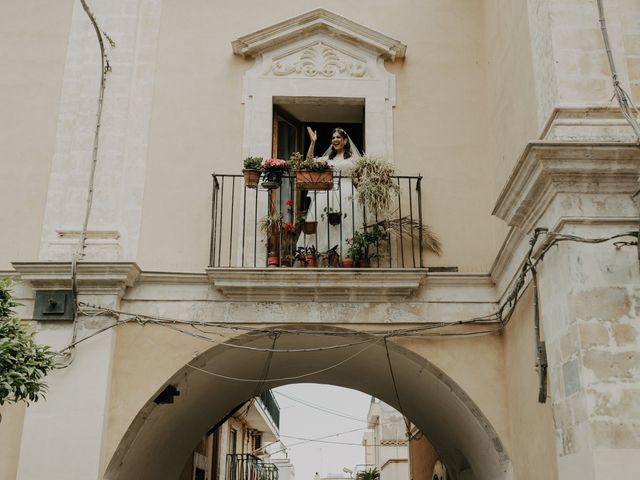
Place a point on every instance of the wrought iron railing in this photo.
(240, 237)
(244, 466)
(271, 406)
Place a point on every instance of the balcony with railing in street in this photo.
(244, 466)
(308, 236)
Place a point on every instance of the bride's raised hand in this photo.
(312, 135)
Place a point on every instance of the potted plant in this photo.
(333, 216)
(271, 226)
(251, 171)
(330, 258)
(273, 260)
(309, 227)
(360, 242)
(373, 176)
(311, 256)
(300, 258)
(347, 262)
(314, 175)
(273, 169)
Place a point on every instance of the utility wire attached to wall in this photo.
(627, 107)
(105, 68)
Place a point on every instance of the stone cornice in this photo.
(104, 278)
(328, 285)
(256, 43)
(548, 168)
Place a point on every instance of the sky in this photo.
(306, 421)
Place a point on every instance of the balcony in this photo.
(253, 228)
(271, 406)
(244, 466)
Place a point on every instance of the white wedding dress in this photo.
(343, 198)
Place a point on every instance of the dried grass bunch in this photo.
(373, 177)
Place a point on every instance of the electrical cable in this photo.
(500, 317)
(295, 377)
(320, 408)
(395, 388)
(286, 447)
(624, 100)
(105, 68)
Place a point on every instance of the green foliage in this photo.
(360, 242)
(369, 474)
(252, 163)
(23, 363)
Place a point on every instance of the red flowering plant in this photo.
(274, 165)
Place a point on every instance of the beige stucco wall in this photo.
(511, 96)
(12, 418)
(197, 121)
(33, 43)
(531, 423)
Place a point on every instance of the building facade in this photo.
(517, 360)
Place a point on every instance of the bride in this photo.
(341, 155)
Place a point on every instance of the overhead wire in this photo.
(625, 103)
(283, 379)
(320, 408)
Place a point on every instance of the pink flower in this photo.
(274, 163)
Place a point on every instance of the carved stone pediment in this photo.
(318, 60)
(312, 23)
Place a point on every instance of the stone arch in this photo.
(161, 436)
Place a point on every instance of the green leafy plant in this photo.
(334, 216)
(373, 177)
(361, 241)
(252, 163)
(272, 224)
(23, 363)
(369, 474)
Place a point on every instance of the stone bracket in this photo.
(309, 284)
(93, 278)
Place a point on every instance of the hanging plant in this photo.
(373, 177)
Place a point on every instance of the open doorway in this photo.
(292, 116)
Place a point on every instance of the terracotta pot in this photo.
(273, 262)
(306, 180)
(347, 262)
(309, 228)
(311, 261)
(251, 177)
(364, 263)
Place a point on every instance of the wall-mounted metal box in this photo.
(53, 305)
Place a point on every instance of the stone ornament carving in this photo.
(319, 61)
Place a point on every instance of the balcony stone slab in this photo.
(316, 284)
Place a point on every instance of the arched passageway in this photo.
(162, 435)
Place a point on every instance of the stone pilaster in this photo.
(63, 435)
(588, 295)
(114, 224)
